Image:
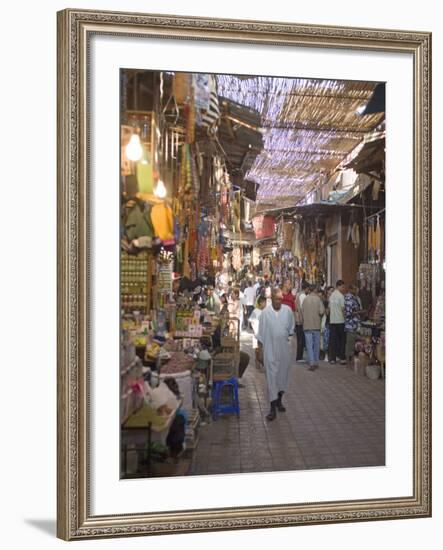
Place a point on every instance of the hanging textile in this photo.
(190, 120)
(181, 87)
(200, 83)
(186, 266)
(194, 174)
(211, 117)
(296, 241)
(375, 190)
(280, 233)
(213, 253)
(264, 226)
(236, 212)
(163, 222)
(193, 235)
(288, 235)
(355, 235)
(377, 243)
(203, 257)
(138, 222)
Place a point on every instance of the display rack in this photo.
(135, 281)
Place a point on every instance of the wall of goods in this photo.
(179, 204)
(188, 219)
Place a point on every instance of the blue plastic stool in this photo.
(233, 407)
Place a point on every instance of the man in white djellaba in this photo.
(276, 325)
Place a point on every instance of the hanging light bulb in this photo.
(160, 190)
(134, 150)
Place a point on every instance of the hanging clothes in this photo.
(213, 253)
(203, 258)
(200, 83)
(186, 266)
(193, 219)
(210, 118)
(370, 241)
(163, 222)
(181, 87)
(375, 190)
(296, 242)
(377, 243)
(138, 222)
(355, 235)
(236, 212)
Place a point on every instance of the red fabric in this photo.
(264, 226)
(289, 300)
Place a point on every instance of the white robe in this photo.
(254, 319)
(274, 330)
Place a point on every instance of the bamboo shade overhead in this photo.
(309, 127)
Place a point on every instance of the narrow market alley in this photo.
(253, 215)
(334, 418)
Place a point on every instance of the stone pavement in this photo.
(334, 419)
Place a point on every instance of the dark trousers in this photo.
(249, 310)
(337, 341)
(301, 344)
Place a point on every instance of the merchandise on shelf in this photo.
(133, 281)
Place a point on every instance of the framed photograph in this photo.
(244, 259)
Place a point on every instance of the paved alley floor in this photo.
(334, 418)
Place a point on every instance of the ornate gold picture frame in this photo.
(76, 28)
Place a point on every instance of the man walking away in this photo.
(337, 324)
(299, 321)
(276, 324)
(313, 311)
(249, 300)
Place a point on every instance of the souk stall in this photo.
(177, 203)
